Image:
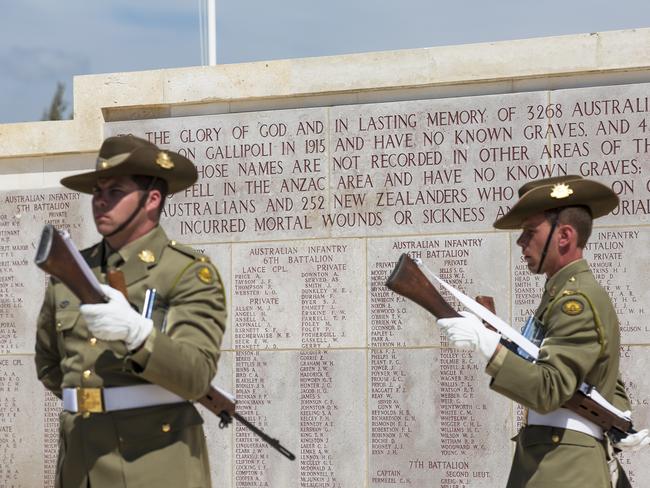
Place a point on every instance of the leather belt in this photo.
(99, 400)
(566, 419)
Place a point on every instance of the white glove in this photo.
(116, 320)
(468, 332)
(633, 442)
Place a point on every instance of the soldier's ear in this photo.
(567, 236)
(154, 201)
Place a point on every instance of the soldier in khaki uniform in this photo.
(556, 447)
(127, 381)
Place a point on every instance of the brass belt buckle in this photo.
(90, 400)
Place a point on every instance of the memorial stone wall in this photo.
(305, 212)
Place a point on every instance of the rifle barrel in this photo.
(268, 439)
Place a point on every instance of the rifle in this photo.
(408, 280)
(57, 255)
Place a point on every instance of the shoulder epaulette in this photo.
(188, 251)
(193, 254)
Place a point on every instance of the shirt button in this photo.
(93, 341)
(555, 438)
(58, 325)
(87, 374)
(166, 427)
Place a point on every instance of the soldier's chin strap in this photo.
(548, 242)
(143, 199)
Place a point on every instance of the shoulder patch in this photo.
(572, 307)
(205, 275)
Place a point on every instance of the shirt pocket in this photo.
(159, 316)
(539, 435)
(65, 321)
(152, 429)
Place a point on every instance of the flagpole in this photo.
(212, 33)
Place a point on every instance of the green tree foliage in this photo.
(58, 106)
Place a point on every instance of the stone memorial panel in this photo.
(305, 212)
(423, 166)
(476, 265)
(450, 413)
(220, 439)
(261, 175)
(51, 410)
(29, 411)
(620, 261)
(635, 363)
(313, 405)
(27, 449)
(429, 166)
(298, 294)
(433, 420)
(332, 418)
(22, 216)
(604, 133)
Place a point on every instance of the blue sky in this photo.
(45, 42)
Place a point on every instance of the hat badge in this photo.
(102, 163)
(561, 190)
(164, 161)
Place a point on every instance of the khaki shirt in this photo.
(582, 343)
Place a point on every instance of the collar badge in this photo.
(146, 256)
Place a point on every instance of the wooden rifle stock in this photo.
(115, 279)
(615, 426)
(54, 257)
(487, 302)
(408, 280)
